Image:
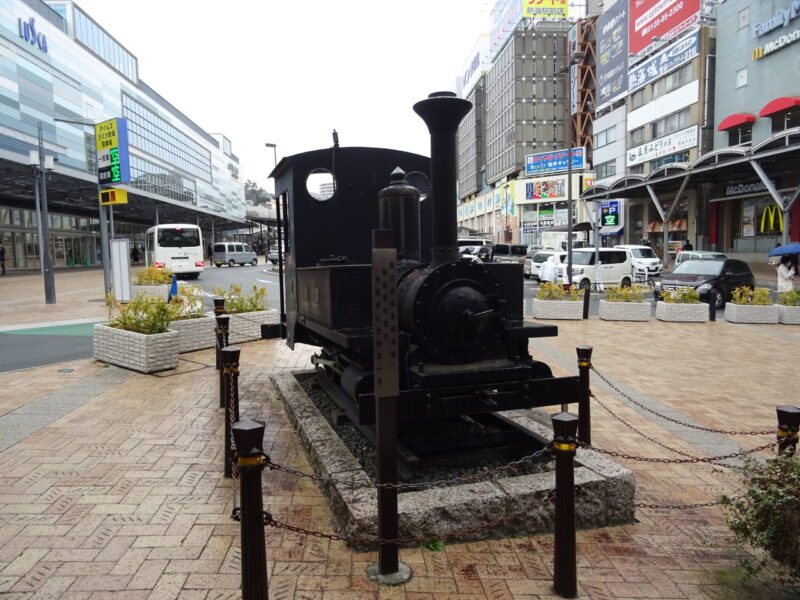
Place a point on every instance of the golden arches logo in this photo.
(772, 210)
(758, 52)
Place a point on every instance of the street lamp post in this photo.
(44, 225)
(576, 58)
(105, 245)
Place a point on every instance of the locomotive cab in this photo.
(463, 341)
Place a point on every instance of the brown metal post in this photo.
(788, 427)
(219, 309)
(249, 438)
(584, 403)
(230, 369)
(222, 332)
(565, 571)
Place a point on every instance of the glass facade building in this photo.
(60, 68)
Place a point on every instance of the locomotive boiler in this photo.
(463, 341)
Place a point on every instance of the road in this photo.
(38, 346)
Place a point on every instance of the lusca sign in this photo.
(113, 160)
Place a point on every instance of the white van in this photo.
(233, 253)
(616, 267)
(645, 260)
(535, 260)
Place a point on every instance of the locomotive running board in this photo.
(420, 404)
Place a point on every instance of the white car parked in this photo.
(644, 260)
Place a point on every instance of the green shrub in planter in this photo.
(756, 297)
(551, 291)
(238, 302)
(152, 276)
(789, 298)
(144, 315)
(618, 293)
(682, 295)
(768, 515)
(188, 302)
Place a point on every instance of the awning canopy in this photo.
(611, 230)
(779, 105)
(735, 120)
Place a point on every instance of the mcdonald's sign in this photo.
(771, 211)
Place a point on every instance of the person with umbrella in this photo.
(786, 274)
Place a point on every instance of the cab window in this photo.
(237, 248)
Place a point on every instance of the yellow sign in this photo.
(105, 135)
(545, 9)
(113, 196)
(772, 210)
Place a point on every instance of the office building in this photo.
(63, 72)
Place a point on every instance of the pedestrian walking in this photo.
(787, 272)
(3, 259)
(135, 256)
(688, 245)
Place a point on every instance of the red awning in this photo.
(779, 105)
(735, 120)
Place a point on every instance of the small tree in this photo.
(768, 515)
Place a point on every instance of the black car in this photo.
(714, 279)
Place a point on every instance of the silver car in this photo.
(233, 253)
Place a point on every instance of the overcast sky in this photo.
(289, 72)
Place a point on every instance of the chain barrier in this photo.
(676, 461)
(269, 520)
(670, 419)
(409, 486)
(236, 511)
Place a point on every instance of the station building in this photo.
(60, 73)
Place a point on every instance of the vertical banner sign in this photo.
(662, 19)
(113, 159)
(612, 54)
(610, 209)
(572, 48)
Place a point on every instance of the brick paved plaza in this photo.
(111, 482)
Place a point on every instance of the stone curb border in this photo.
(433, 513)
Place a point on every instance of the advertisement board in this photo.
(545, 9)
(113, 160)
(476, 65)
(553, 162)
(546, 189)
(661, 19)
(665, 61)
(506, 14)
(612, 54)
(572, 47)
(674, 142)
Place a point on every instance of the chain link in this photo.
(676, 461)
(670, 419)
(268, 520)
(409, 486)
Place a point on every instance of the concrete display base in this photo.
(402, 575)
(607, 496)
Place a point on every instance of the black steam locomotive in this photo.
(463, 342)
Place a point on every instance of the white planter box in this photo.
(136, 351)
(195, 334)
(246, 327)
(557, 309)
(682, 313)
(151, 291)
(788, 315)
(625, 311)
(749, 313)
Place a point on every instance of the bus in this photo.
(178, 247)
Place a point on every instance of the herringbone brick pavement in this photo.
(124, 497)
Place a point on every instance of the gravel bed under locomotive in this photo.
(463, 341)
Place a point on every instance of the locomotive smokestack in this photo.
(442, 112)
